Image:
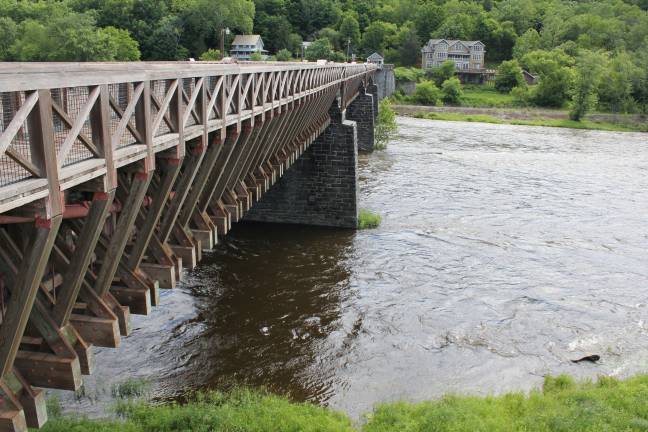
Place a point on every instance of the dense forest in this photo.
(567, 43)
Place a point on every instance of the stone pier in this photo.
(321, 188)
(363, 112)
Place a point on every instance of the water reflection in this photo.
(267, 299)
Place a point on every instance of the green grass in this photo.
(238, 411)
(367, 219)
(564, 123)
(129, 389)
(485, 96)
(561, 405)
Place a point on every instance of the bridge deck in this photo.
(233, 93)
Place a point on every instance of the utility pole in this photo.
(224, 31)
(348, 49)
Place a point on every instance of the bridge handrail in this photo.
(65, 123)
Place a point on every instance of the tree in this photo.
(211, 55)
(8, 34)
(284, 55)
(556, 76)
(319, 49)
(529, 41)
(122, 46)
(589, 70)
(332, 35)
(408, 45)
(452, 92)
(386, 126)
(428, 18)
(460, 26)
(509, 75)
(350, 30)
(441, 73)
(615, 91)
(308, 16)
(376, 37)
(427, 93)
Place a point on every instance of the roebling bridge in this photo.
(116, 176)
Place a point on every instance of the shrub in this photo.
(441, 73)
(427, 93)
(408, 74)
(368, 219)
(452, 91)
(256, 56)
(129, 389)
(386, 125)
(509, 75)
(284, 55)
(211, 55)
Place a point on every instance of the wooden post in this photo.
(20, 303)
(125, 223)
(75, 273)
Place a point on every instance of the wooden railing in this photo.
(62, 124)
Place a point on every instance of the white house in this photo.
(467, 55)
(376, 58)
(243, 46)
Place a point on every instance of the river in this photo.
(504, 253)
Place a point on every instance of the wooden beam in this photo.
(125, 223)
(75, 273)
(26, 286)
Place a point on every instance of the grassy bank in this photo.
(486, 97)
(527, 117)
(562, 405)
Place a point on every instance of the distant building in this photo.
(529, 77)
(467, 55)
(243, 46)
(376, 58)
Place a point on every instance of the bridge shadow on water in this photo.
(266, 300)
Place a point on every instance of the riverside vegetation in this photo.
(561, 405)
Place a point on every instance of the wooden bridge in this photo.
(115, 176)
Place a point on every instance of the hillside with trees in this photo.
(556, 40)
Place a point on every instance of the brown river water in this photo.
(504, 253)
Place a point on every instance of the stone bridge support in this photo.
(321, 188)
(363, 112)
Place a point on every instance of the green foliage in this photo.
(386, 126)
(350, 30)
(561, 405)
(211, 55)
(319, 49)
(408, 74)
(256, 56)
(452, 92)
(544, 36)
(631, 126)
(486, 96)
(368, 219)
(589, 70)
(556, 77)
(509, 75)
(441, 73)
(239, 410)
(284, 55)
(132, 388)
(426, 93)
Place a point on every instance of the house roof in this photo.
(246, 39)
(451, 42)
(375, 56)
